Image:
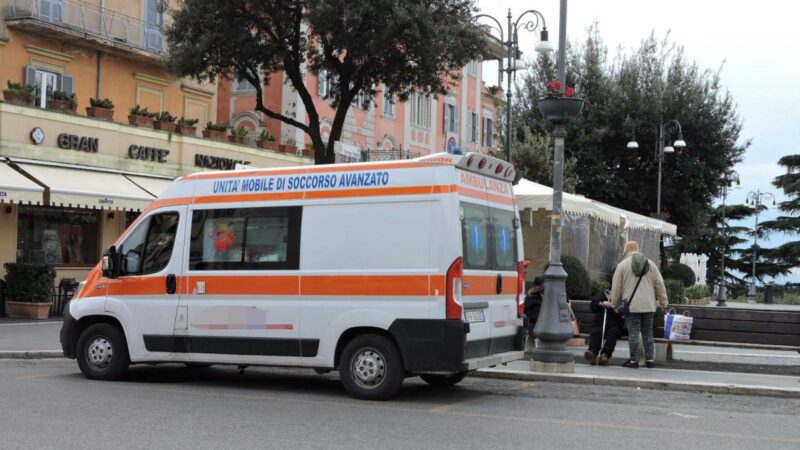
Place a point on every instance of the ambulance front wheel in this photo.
(371, 367)
(102, 352)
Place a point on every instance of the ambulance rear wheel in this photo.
(443, 380)
(102, 352)
(371, 368)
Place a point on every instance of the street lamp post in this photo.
(662, 132)
(512, 49)
(756, 199)
(730, 178)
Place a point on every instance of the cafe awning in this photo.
(16, 188)
(151, 185)
(81, 187)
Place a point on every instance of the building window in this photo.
(488, 132)
(153, 23)
(472, 68)
(473, 126)
(57, 236)
(244, 85)
(450, 118)
(421, 110)
(51, 10)
(388, 104)
(246, 239)
(323, 84)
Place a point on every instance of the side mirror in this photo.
(111, 263)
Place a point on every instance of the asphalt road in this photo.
(48, 404)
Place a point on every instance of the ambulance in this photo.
(381, 271)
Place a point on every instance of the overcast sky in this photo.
(758, 47)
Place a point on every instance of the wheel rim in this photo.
(99, 353)
(368, 368)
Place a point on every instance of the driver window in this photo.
(149, 247)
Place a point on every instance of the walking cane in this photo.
(603, 336)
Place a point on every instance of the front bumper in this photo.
(492, 360)
(67, 341)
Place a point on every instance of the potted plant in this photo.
(238, 135)
(558, 107)
(19, 94)
(187, 127)
(100, 108)
(290, 147)
(308, 151)
(266, 140)
(140, 117)
(165, 121)
(61, 101)
(216, 132)
(29, 288)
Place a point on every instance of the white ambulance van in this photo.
(380, 270)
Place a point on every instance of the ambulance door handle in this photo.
(172, 284)
(499, 284)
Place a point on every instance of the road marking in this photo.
(685, 416)
(452, 406)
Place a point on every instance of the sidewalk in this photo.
(26, 339)
(666, 379)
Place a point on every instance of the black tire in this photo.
(321, 371)
(102, 352)
(371, 368)
(443, 380)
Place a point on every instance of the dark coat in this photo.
(533, 303)
(612, 319)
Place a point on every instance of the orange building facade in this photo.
(467, 117)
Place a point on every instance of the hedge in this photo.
(579, 285)
(676, 293)
(29, 282)
(680, 272)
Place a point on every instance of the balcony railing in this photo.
(91, 20)
(378, 155)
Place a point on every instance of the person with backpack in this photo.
(636, 287)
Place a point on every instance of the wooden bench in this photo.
(720, 327)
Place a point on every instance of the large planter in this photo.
(28, 310)
(62, 106)
(308, 152)
(186, 130)
(100, 113)
(16, 98)
(140, 121)
(288, 149)
(215, 135)
(560, 110)
(268, 145)
(165, 126)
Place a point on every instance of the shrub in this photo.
(139, 111)
(579, 285)
(29, 282)
(697, 291)
(210, 126)
(187, 122)
(19, 88)
(676, 293)
(165, 116)
(61, 95)
(101, 103)
(599, 287)
(680, 272)
(266, 136)
(241, 131)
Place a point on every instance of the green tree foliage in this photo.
(579, 286)
(654, 82)
(787, 254)
(680, 272)
(676, 292)
(398, 45)
(533, 155)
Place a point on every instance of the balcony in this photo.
(376, 155)
(88, 26)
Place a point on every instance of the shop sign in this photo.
(80, 143)
(37, 135)
(217, 162)
(148, 153)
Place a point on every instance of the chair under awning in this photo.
(16, 188)
(86, 188)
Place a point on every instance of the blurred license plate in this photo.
(473, 316)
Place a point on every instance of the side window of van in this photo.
(246, 239)
(475, 236)
(148, 248)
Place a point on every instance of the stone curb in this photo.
(685, 386)
(31, 354)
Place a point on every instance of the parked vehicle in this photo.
(380, 270)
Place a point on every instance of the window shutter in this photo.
(455, 119)
(427, 111)
(321, 82)
(30, 75)
(67, 84)
(446, 118)
(483, 130)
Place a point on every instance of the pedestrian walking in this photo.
(605, 330)
(635, 289)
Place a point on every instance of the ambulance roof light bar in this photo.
(486, 165)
